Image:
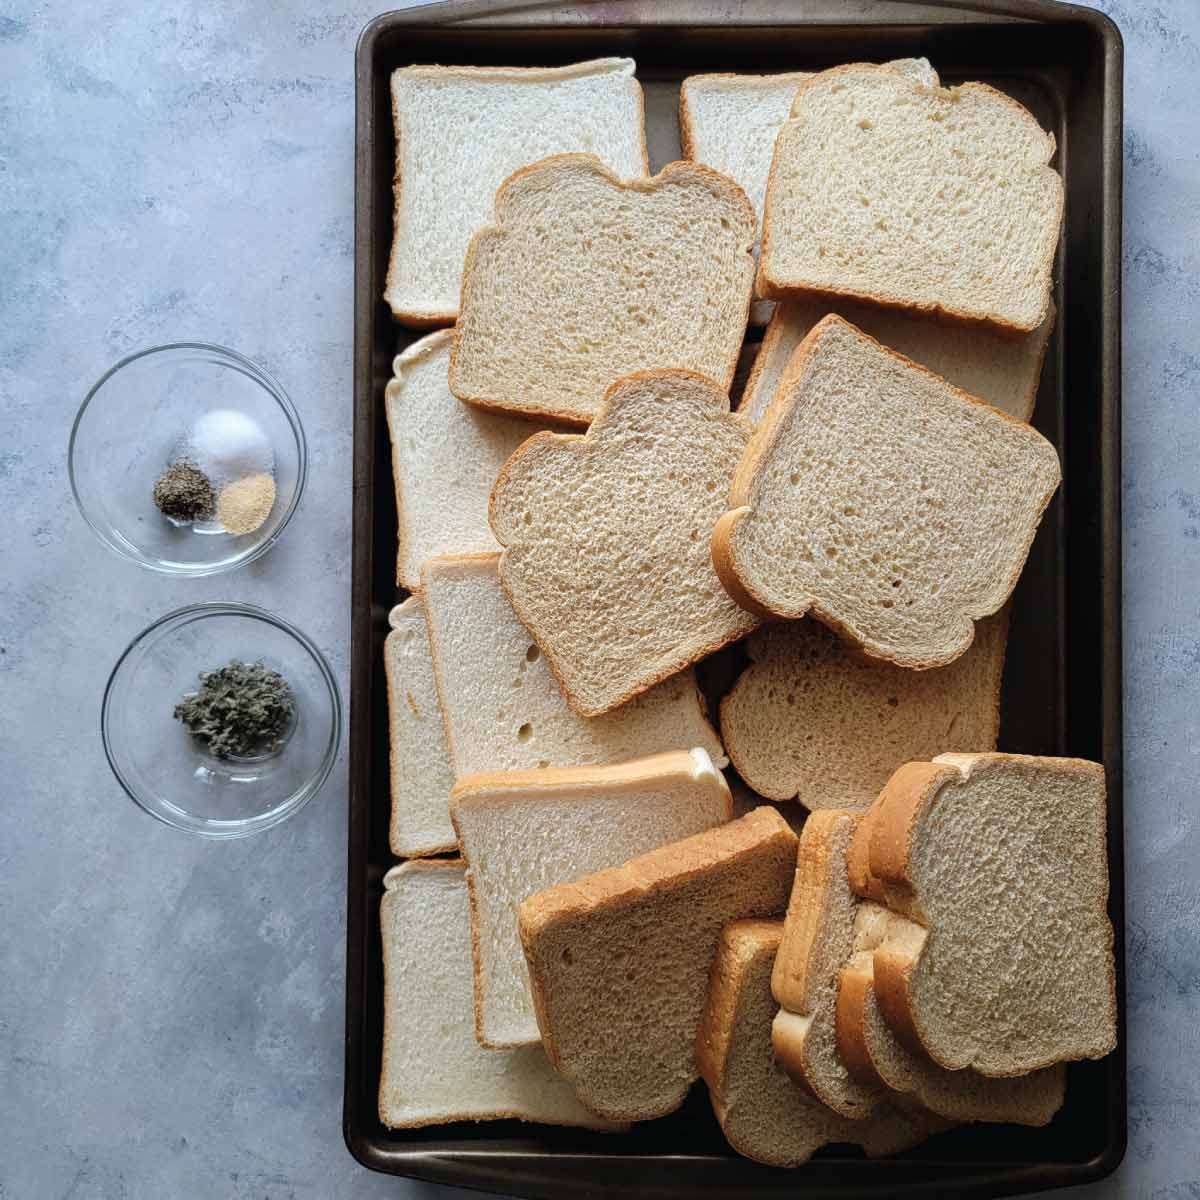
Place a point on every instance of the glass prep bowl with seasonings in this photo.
(188, 459)
(221, 719)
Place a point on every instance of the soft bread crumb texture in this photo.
(1002, 859)
(895, 507)
(619, 961)
(606, 537)
(521, 832)
(445, 457)
(964, 1095)
(999, 368)
(419, 762)
(936, 199)
(433, 1069)
(502, 707)
(762, 1113)
(810, 720)
(461, 131)
(586, 277)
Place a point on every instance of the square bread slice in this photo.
(502, 708)
(461, 131)
(445, 457)
(433, 1069)
(729, 122)
(810, 720)
(586, 277)
(762, 1113)
(521, 831)
(606, 556)
(894, 507)
(619, 960)
(999, 862)
(1002, 370)
(935, 200)
(418, 759)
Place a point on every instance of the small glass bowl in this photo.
(129, 428)
(171, 774)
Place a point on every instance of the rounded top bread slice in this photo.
(461, 131)
(586, 277)
(606, 558)
(936, 200)
(888, 503)
(1000, 860)
(818, 938)
(762, 1113)
(810, 720)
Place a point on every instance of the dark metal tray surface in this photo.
(1062, 682)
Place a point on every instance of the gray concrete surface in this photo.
(171, 1010)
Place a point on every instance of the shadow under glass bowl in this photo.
(169, 773)
(133, 422)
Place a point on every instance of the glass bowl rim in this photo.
(241, 827)
(262, 377)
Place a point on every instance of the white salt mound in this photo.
(228, 445)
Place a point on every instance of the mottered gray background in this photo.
(171, 1010)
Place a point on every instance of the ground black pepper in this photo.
(185, 493)
(240, 710)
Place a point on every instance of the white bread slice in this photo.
(763, 1114)
(893, 506)
(729, 122)
(445, 458)
(935, 200)
(461, 131)
(1002, 370)
(433, 1069)
(998, 861)
(619, 960)
(502, 708)
(521, 831)
(606, 558)
(745, 801)
(419, 762)
(818, 938)
(586, 277)
(810, 720)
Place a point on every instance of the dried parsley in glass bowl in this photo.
(221, 719)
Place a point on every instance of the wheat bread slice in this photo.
(730, 121)
(873, 1053)
(818, 938)
(928, 199)
(586, 277)
(522, 831)
(606, 557)
(810, 720)
(419, 763)
(1004, 371)
(433, 1069)
(461, 131)
(894, 507)
(762, 1113)
(619, 960)
(999, 862)
(445, 457)
(503, 709)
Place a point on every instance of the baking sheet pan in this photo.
(1062, 684)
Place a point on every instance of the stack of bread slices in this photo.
(877, 927)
